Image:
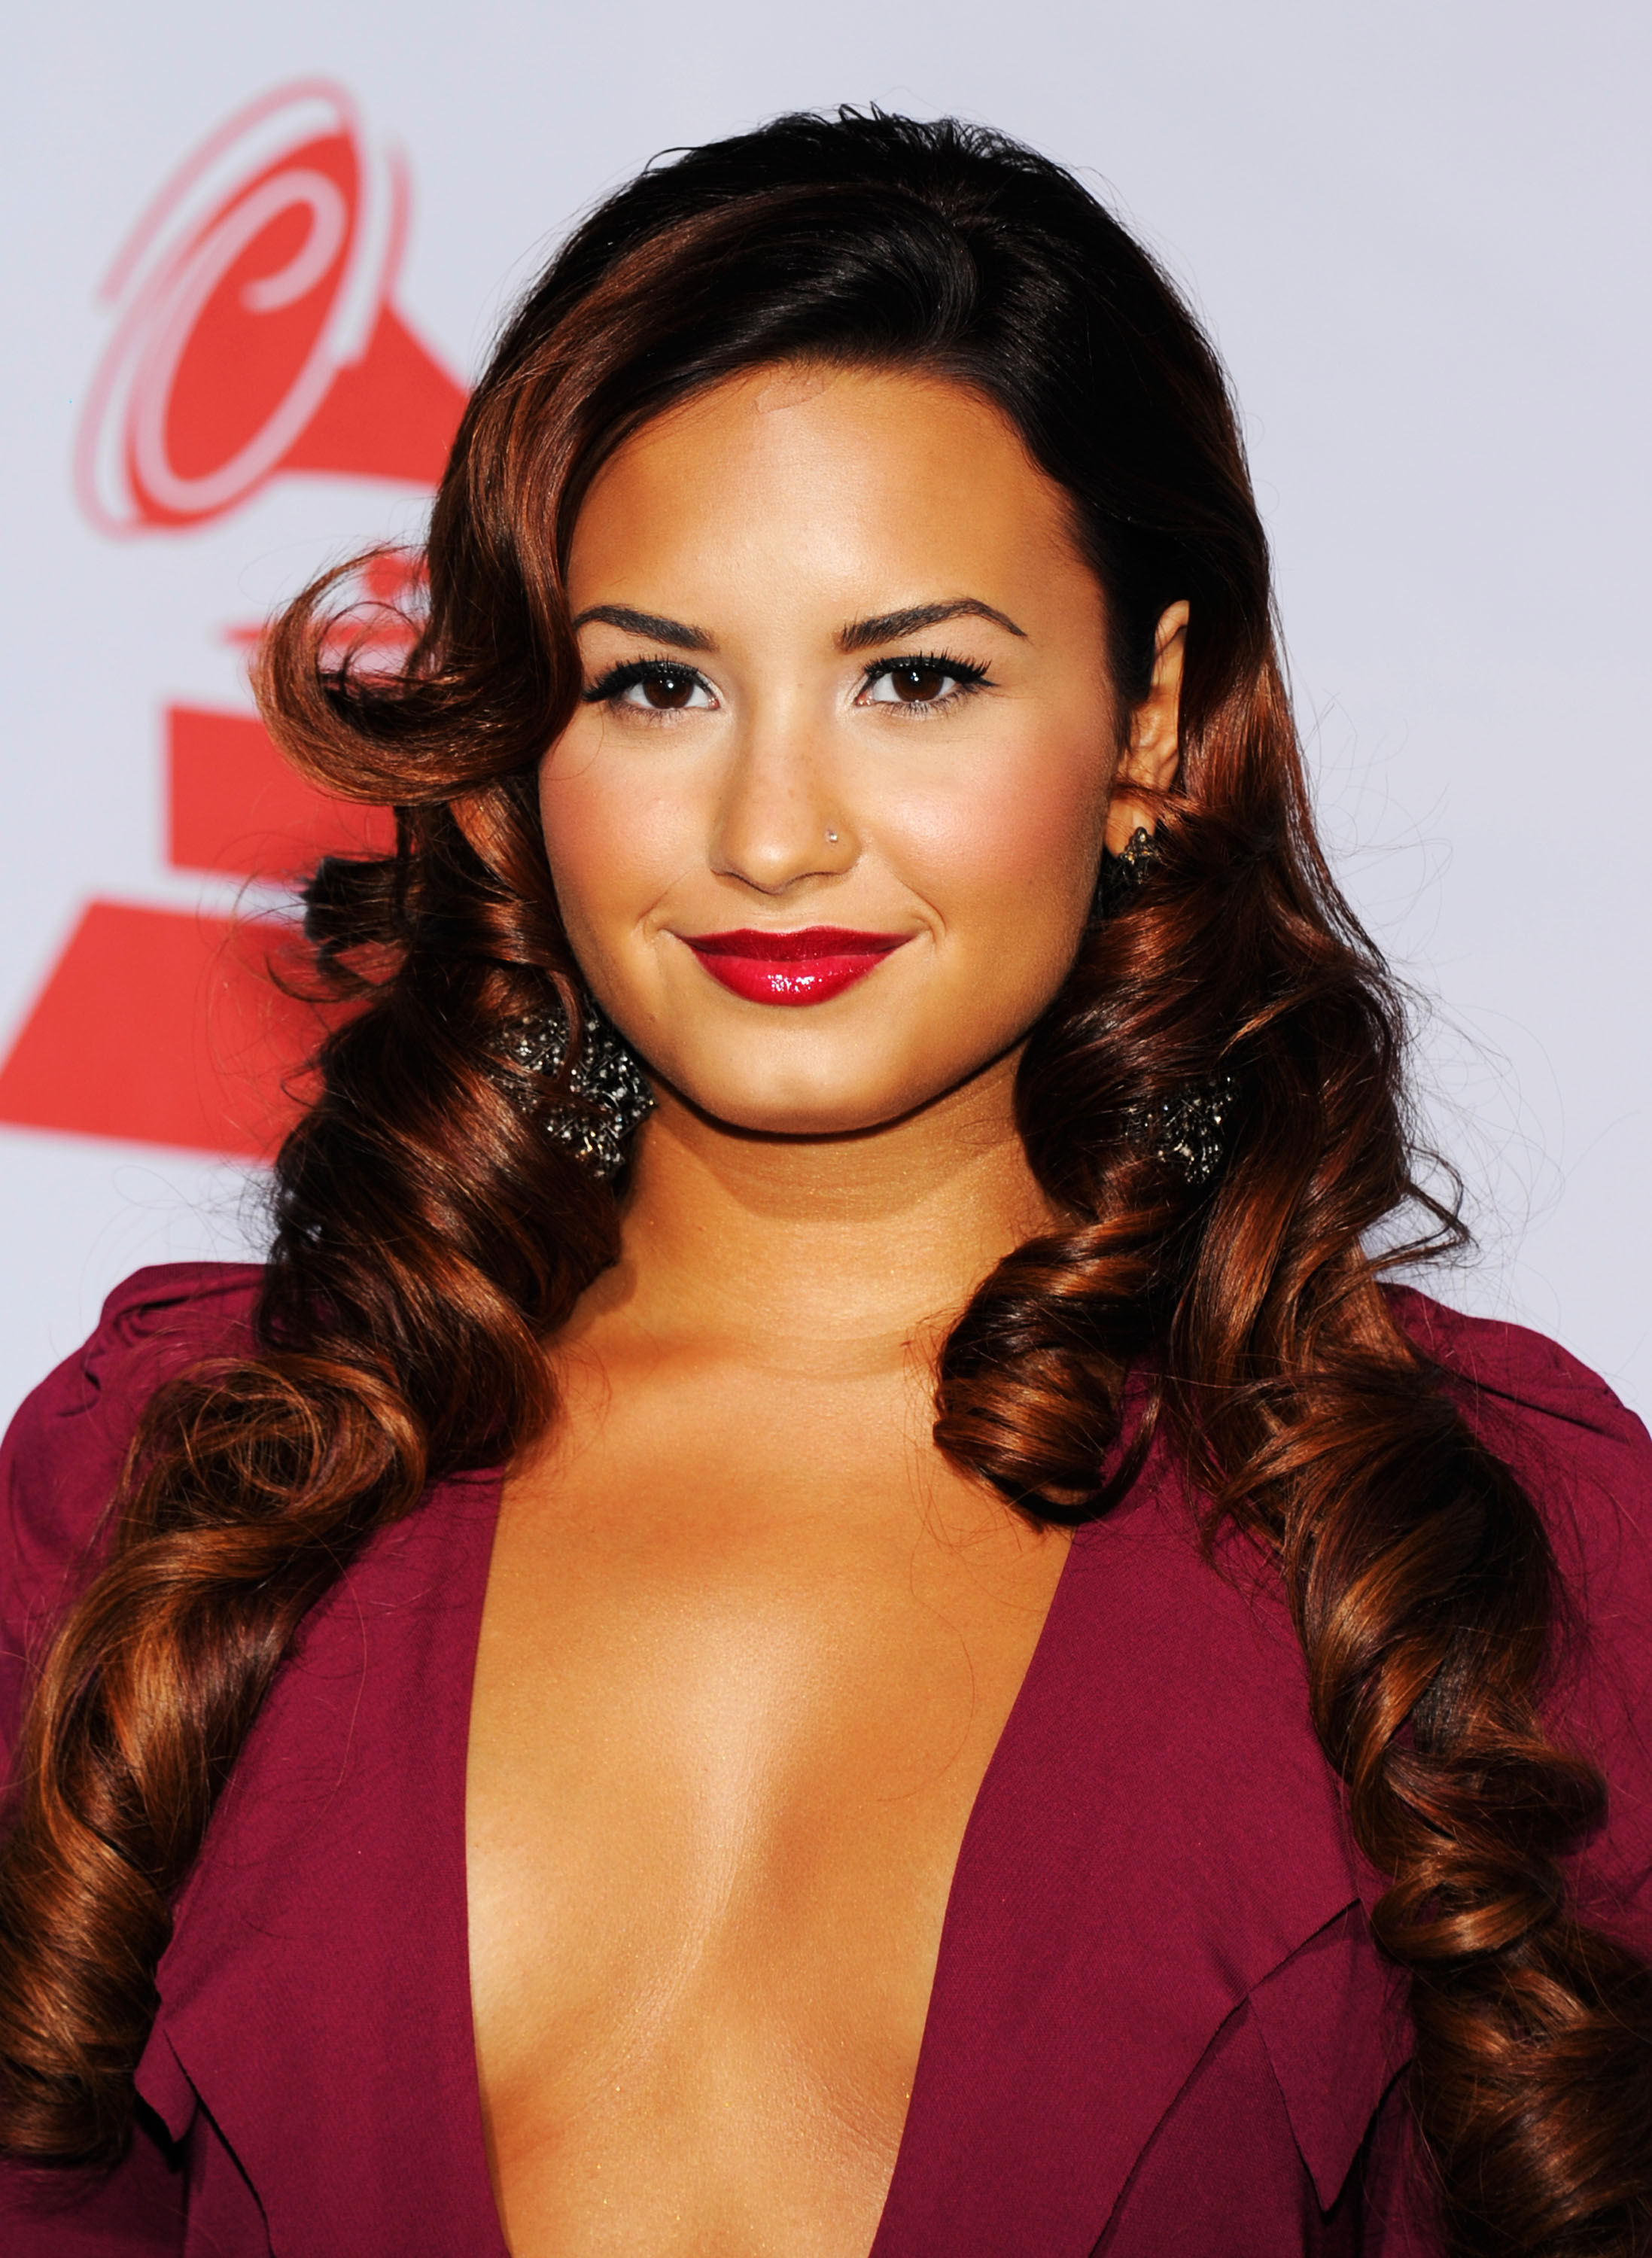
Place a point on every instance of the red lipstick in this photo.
(803, 967)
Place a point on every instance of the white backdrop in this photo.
(1419, 232)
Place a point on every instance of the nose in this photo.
(780, 820)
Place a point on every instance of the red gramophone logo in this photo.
(254, 334)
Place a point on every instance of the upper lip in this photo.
(797, 943)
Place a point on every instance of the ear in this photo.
(1149, 759)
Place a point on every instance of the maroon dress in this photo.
(1158, 2023)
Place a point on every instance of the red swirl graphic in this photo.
(253, 334)
(254, 331)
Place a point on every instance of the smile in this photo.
(804, 967)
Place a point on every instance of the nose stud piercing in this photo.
(832, 837)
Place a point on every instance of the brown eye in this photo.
(652, 687)
(917, 685)
(668, 692)
(921, 681)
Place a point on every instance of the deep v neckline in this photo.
(928, 2073)
(1156, 1831)
(1156, 1842)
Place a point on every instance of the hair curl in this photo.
(430, 1237)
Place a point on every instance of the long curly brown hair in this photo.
(431, 1237)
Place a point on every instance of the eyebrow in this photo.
(861, 634)
(647, 623)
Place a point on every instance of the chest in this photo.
(1155, 1833)
(733, 1705)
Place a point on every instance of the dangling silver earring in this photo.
(1187, 1131)
(607, 1075)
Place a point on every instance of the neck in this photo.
(757, 1246)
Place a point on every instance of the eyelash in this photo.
(619, 679)
(963, 672)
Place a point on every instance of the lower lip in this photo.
(791, 980)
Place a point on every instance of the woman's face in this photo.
(825, 829)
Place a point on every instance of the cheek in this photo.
(1018, 843)
(615, 835)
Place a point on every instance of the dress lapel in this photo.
(315, 1999)
(1156, 1831)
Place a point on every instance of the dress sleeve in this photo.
(63, 1452)
(1585, 1460)
(59, 1466)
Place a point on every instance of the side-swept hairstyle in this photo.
(431, 1237)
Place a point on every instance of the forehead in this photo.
(831, 473)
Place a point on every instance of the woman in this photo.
(822, 1487)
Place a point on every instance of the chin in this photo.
(824, 1104)
(833, 1116)
(781, 1103)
